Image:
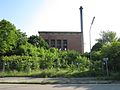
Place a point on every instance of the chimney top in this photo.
(81, 8)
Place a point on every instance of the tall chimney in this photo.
(81, 18)
(81, 24)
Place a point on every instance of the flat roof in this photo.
(58, 32)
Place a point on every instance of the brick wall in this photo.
(74, 39)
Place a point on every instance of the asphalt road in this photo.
(60, 87)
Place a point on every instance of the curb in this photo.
(55, 82)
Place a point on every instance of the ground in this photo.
(60, 87)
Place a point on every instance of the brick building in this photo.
(65, 40)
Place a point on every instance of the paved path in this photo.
(53, 80)
(60, 87)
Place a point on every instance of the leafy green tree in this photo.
(112, 51)
(107, 37)
(72, 57)
(8, 37)
(22, 38)
(96, 55)
(27, 49)
(119, 39)
(97, 47)
(37, 41)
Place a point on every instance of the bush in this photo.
(112, 51)
(47, 59)
(20, 63)
(71, 61)
(115, 76)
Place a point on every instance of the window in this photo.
(64, 44)
(52, 43)
(59, 44)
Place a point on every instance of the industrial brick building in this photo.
(65, 40)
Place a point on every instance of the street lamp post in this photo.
(90, 34)
(106, 65)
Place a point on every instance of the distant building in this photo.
(65, 40)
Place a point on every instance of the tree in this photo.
(22, 38)
(8, 37)
(107, 37)
(27, 49)
(119, 39)
(97, 47)
(112, 51)
(37, 41)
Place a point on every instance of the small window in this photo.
(59, 44)
(65, 44)
(52, 43)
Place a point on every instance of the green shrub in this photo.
(20, 63)
(115, 76)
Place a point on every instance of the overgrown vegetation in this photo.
(51, 59)
(108, 46)
(30, 56)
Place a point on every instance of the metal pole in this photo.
(107, 68)
(3, 68)
(106, 65)
(90, 39)
(90, 35)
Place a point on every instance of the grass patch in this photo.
(55, 72)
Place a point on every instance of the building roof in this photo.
(58, 32)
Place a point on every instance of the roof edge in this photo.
(58, 32)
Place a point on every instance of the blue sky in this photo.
(19, 8)
(20, 12)
(32, 16)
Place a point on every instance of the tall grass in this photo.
(55, 72)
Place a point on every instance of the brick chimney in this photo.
(81, 27)
(81, 18)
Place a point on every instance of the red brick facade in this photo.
(64, 40)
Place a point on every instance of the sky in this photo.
(32, 16)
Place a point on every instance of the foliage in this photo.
(37, 41)
(20, 63)
(108, 46)
(107, 37)
(47, 59)
(22, 38)
(27, 50)
(86, 54)
(96, 55)
(23, 56)
(115, 75)
(8, 37)
(46, 73)
(112, 51)
(96, 69)
(97, 47)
